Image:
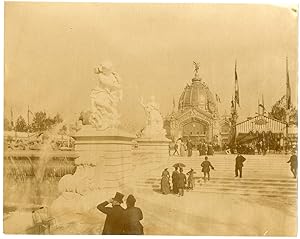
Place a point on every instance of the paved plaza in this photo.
(222, 206)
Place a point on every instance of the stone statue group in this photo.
(105, 98)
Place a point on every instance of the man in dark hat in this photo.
(206, 165)
(176, 149)
(239, 160)
(114, 222)
(132, 217)
(189, 146)
(293, 163)
(175, 180)
(181, 182)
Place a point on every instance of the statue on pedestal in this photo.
(197, 67)
(105, 98)
(154, 127)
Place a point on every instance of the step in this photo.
(232, 191)
(235, 193)
(244, 191)
(244, 179)
(232, 185)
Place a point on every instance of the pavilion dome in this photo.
(197, 95)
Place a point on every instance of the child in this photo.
(191, 179)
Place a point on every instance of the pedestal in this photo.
(152, 153)
(111, 152)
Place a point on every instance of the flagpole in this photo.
(236, 97)
(287, 96)
(11, 118)
(263, 104)
(28, 122)
(258, 109)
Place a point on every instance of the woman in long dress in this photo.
(181, 147)
(165, 184)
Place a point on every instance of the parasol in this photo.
(179, 165)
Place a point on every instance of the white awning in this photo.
(261, 124)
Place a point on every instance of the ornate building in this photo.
(197, 116)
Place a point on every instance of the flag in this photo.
(218, 98)
(236, 87)
(262, 106)
(174, 104)
(288, 87)
(11, 118)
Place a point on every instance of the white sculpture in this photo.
(105, 98)
(154, 127)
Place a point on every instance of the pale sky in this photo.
(52, 48)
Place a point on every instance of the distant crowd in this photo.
(259, 146)
(36, 143)
(185, 148)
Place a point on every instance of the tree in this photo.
(7, 124)
(63, 130)
(21, 125)
(279, 112)
(42, 122)
(57, 119)
(293, 116)
(39, 121)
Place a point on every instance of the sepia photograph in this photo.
(169, 119)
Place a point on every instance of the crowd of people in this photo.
(37, 143)
(261, 146)
(182, 181)
(185, 148)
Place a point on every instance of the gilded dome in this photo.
(197, 95)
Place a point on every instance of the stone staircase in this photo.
(267, 175)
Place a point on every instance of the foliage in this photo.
(21, 125)
(42, 122)
(7, 125)
(279, 112)
(85, 117)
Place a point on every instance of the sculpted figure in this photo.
(154, 127)
(105, 98)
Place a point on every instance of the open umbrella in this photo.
(179, 165)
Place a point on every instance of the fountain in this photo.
(30, 181)
(106, 164)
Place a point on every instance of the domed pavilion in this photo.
(197, 115)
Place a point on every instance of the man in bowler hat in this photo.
(239, 160)
(114, 222)
(132, 217)
(175, 180)
(181, 181)
(206, 165)
(294, 164)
